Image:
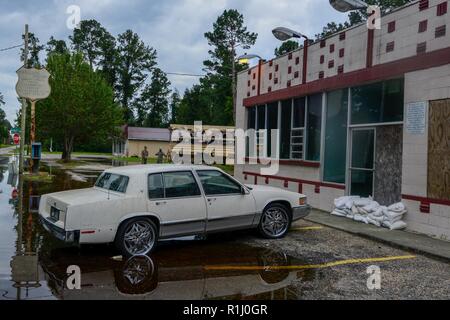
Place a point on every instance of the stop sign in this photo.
(16, 139)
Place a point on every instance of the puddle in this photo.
(33, 264)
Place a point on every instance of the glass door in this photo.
(362, 163)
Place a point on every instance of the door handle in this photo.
(211, 200)
(161, 203)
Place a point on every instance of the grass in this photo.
(136, 160)
(227, 168)
(2, 146)
(44, 177)
(81, 153)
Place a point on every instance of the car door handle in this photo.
(160, 203)
(210, 200)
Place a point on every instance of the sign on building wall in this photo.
(416, 113)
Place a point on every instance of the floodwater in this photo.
(33, 265)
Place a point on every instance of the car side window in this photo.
(180, 185)
(217, 183)
(155, 186)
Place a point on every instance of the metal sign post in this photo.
(33, 85)
(24, 110)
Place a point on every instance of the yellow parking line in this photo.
(307, 229)
(311, 266)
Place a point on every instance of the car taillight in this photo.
(302, 201)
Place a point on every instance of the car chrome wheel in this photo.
(275, 222)
(139, 238)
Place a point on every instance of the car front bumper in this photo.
(300, 212)
(70, 237)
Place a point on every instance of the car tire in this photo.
(275, 222)
(137, 237)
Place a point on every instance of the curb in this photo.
(382, 240)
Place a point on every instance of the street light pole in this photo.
(24, 110)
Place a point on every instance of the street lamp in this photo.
(245, 58)
(348, 5)
(284, 34)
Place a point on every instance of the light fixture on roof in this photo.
(284, 34)
(245, 58)
(348, 5)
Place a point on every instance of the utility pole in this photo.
(24, 110)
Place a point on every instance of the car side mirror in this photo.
(244, 191)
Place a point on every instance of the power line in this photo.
(185, 74)
(10, 48)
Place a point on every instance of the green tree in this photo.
(175, 101)
(332, 28)
(135, 62)
(356, 17)
(34, 49)
(229, 33)
(98, 46)
(286, 47)
(81, 106)
(56, 46)
(195, 106)
(153, 105)
(2, 99)
(5, 126)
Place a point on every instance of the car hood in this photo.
(82, 196)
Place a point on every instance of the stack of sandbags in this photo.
(370, 212)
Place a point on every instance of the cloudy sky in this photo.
(175, 28)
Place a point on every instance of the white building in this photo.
(363, 112)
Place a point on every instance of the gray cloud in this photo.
(175, 28)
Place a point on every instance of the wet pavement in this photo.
(312, 262)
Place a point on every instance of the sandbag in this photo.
(371, 207)
(397, 207)
(399, 225)
(390, 215)
(360, 218)
(339, 214)
(363, 202)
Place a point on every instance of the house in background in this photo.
(134, 140)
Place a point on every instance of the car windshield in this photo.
(113, 182)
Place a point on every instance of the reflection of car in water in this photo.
(174, 274)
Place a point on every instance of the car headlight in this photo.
(302, 201)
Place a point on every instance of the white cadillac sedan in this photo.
(136, 206)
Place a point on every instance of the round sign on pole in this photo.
(16, 139)
(33, 84)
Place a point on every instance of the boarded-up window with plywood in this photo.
(439, 150)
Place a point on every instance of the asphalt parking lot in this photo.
(312, 262)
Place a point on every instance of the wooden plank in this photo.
(439, 150)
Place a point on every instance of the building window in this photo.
(314, 127)
(272, 124)
(378, 103)
(390, 46)
(260, 129)
(342, 36)
(298, 128)
(442, 8)
(285, 130)
(423, 26)
(336, 136)
(251, 124)
(332, 48)
(440, 31)
(341, 53)
(391, 26)
(423, 5)
(297, 60)
(421, 47)
(323, 43)
(322, 59)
